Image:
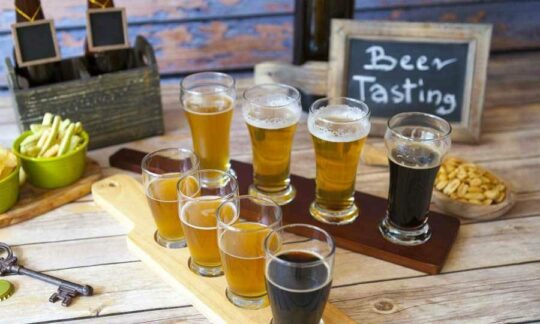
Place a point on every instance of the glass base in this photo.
(334, 217)
(282, 197)
(247, 302)
(205, 271)
(401, 236)
(176, 244)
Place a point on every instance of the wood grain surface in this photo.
(491, 274)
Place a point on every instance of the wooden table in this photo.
(492, 273)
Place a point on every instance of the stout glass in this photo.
(199, 195)
(208, 100)
(298, 273)
(243, 223)
(416, 144)
(271, 112)
(339, 128)
(161, 170)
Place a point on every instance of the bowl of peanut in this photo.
(467, 190)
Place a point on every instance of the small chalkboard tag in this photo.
(399, 66)
(106, 29)
(35, 43)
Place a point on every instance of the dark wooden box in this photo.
(114, 107)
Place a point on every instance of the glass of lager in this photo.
(208, 100)
(299, 273)
(161, 170)
(200, 193)
(416, 144)
(243, 223)
(339, 128)
(271, 112)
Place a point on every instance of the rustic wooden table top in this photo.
(492, 273)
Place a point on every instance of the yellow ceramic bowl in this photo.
(9, 190)
(54, 172)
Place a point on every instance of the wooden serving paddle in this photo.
(123, 197)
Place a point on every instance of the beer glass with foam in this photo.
(339, 128)
(271, 112)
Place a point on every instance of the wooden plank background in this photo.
(193, 35)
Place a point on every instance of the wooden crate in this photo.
(114, 107)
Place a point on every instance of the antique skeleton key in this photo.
(66, 290)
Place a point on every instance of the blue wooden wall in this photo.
(193, 35)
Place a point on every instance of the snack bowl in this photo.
(9, 189)
(53, 172)
(469, 210)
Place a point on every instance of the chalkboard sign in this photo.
(35, 43)
(395, 67)
(106, 29)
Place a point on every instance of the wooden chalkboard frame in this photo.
(478, 36)
(18, 53)
(89, 36)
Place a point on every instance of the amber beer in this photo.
(199, 221)
(161, 171)
(271, 112)
(162, 198)
(243, 224)
(339, 128)
(208, 100)
(243, 263)
(200, 193)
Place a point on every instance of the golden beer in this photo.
(271, 112)
(161, 171)
(199, 223)
(242, 255)
(210, 123)
(208, 100)
(200, 193)
(243, 224)
(163, 201)
(339, 132)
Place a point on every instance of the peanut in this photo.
(469, 183)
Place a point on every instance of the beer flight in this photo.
(195, 201)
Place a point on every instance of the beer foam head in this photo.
(339, 123)
(272, 111)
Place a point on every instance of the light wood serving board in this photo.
(35, 201)
(123, 197)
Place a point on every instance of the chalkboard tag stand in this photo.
(35, 43)
(106, 29)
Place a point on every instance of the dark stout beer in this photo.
(298, 294)
(412, 173)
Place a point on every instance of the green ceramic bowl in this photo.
(54, 172)
(9, 190)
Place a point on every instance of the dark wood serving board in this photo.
(361, 236)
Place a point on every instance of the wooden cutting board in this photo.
(35, 201)
(123, 197)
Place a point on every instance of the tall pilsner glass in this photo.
(416, 144)
(271, 112)
(161, 170)
(208, 99)
(339, 128)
